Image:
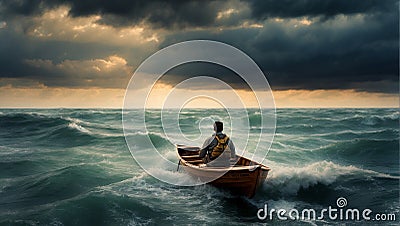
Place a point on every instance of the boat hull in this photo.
(243, 178)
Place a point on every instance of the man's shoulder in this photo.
(211, 138)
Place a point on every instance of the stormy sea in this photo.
(73, 167)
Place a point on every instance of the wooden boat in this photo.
(242, 178)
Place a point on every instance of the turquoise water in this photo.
(72, 166)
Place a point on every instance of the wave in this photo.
(53, 161)
(68, 131)
(350, 134)
(29, 119)
(54, 130)
(17, 167)
(65, 182)
(372, 120)
(284, 180)
(78, 127)
(34, 120)
(31, 126)
(338, 119)
(361, 150)
(140, 139)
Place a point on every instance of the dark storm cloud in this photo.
(180, 73)
(183, 13)
(310, 8)
(357, 53)
(159, 13)
(329, 57)
(349, 45)
(36, 60)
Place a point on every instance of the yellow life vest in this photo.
(220, 147)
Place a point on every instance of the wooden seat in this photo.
(195, 161)
(190, 156)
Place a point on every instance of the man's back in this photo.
(217, 150)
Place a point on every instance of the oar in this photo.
(177, 169)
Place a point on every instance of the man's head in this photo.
(218, 126)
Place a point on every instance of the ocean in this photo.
(73, 167)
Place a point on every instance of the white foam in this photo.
(177, 178)
(289, 180)
(74, 125)
(73, 120)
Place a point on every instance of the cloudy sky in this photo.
(314, 53)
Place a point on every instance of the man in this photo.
(218, 149)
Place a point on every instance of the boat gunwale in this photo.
(220, 169)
